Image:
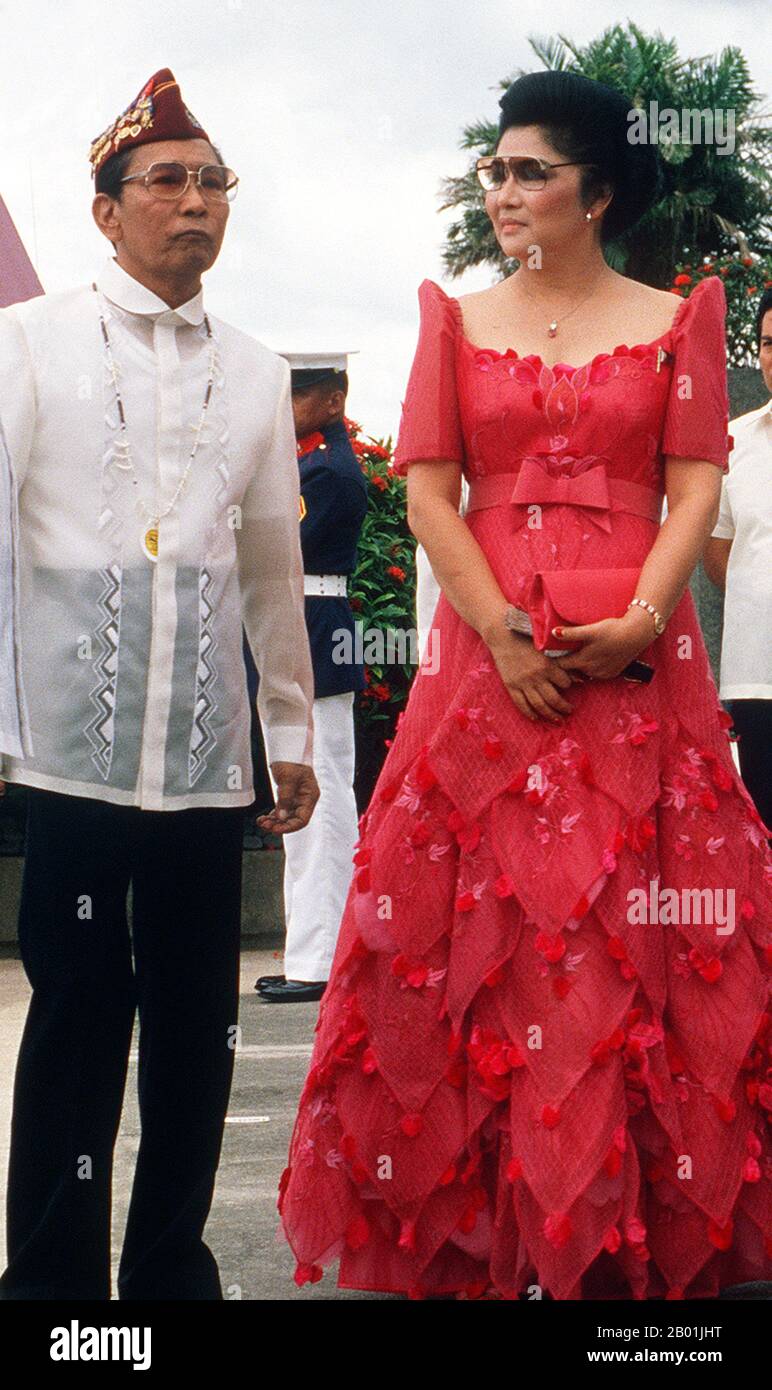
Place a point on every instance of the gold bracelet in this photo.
(659, 621)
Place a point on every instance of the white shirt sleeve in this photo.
(270, 564)
(17, 423)
(18, 408)
(724, 528)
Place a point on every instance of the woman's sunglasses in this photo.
(526, 170)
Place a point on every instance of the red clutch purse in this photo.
(572, 598)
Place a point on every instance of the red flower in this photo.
(682, 280)
(553, 948)
(557, 1229)
(466, 901)
(504, 887)
(725, 1109)
(751, 1170)
(369, 1062)
(406, 1239)
(412, 1124)
(425, 777)
(635, 1232)
(397, 573)
(468, 1220)
(612, 1163)
(720, 1236)
(469, 837)
(379, 482)
(518, 781)
(639, 832)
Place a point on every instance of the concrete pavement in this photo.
(270, 1068)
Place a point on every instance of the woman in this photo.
(515, 1080)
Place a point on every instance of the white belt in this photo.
(329, 585)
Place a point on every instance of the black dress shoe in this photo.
(293, 991)
(264, 980)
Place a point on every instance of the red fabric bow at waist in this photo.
(592, 489)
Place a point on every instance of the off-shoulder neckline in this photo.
(536, 357)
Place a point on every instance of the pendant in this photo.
(149, 542)
(552, 330)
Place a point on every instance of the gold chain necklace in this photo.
(552, 326)
(149, 536)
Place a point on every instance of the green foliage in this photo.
(382, 587)
(711, 202)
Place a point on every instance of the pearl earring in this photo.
(588, 216)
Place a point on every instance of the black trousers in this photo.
(185, 872)
(753, 723)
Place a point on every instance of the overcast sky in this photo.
(340, 116)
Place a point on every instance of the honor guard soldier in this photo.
(333, 504)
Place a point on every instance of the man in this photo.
(158, 494)
(738, 558)
(318, 860)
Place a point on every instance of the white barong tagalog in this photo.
(14, 728)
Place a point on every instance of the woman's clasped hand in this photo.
(538, 683)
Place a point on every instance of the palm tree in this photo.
(711, 203)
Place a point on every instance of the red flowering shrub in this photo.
(745, 279)
(382, 593)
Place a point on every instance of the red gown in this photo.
(516, 1081)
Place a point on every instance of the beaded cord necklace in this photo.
(149, 537)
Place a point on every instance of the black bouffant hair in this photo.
(589, 121)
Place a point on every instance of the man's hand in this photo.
(298, 793)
